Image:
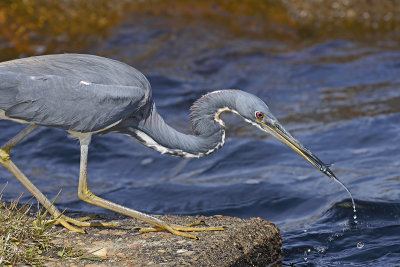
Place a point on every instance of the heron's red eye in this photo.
(259, 115)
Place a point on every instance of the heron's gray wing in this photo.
(69, 104)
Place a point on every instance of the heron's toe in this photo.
(82, 222)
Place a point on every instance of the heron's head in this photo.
(256, 112)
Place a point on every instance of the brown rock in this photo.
(101, 252)
(252, 242)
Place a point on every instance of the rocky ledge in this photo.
(244, 242)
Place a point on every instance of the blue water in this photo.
(341, 99)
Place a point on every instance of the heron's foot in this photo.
(61, 221)
(82, 222)
(67, 222)
(180, 229)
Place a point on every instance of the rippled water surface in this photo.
(341, 99)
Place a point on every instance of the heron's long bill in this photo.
(285, 137)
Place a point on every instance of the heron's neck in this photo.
(208, 129)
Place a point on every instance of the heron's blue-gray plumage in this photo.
(85, 93)
(208, 130)
(88, 68)
(237, 101)
(73, 92)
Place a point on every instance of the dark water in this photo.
(341, 99)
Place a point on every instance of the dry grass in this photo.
(26, 237)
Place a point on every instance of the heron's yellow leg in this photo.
(47, 204)
(89, 197)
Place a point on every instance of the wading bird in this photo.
(86, 95)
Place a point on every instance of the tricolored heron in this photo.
(87, 95)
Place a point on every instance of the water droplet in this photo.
(321, 249)
(146, 161)
(360, 245)
(253, 181)
(348, 191)
(355, 219)
(306, 254)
